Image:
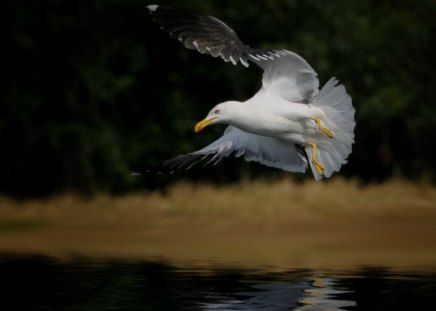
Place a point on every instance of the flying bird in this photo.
(288, 124)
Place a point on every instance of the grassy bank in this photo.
(334, 223)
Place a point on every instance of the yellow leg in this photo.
(323, 129)
(318, 166)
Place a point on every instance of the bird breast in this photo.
(278, 118)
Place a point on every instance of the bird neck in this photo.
(250, 117)
(241, 116)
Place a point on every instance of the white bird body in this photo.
(288, 116)
(278, 118)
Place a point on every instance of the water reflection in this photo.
(35, 283)
(324, 296)
(312, 294)
(262, 297)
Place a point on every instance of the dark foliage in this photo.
(94, 89)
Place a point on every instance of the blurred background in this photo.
(93, 90)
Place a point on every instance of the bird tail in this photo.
(339, 119)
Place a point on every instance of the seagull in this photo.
(288, 124)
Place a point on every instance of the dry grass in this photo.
(335, 223)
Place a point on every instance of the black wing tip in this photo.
(152, 170)
(179, 163)
(198, 31)
(168, 8)
(189, 160)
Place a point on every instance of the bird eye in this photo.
(217, 111)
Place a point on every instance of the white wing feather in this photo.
(289, 77)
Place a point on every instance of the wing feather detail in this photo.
(286, 74)
(265, 150)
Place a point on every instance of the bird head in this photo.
(221, 113)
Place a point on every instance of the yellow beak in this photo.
(203, 123)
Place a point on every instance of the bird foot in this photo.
(318, 166)
(323, 129)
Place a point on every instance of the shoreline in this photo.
(276, 224)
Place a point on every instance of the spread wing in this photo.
(286, 74)
(265, 150)
(289, 77)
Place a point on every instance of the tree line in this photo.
(93, 90)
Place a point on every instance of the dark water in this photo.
(36, 283)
